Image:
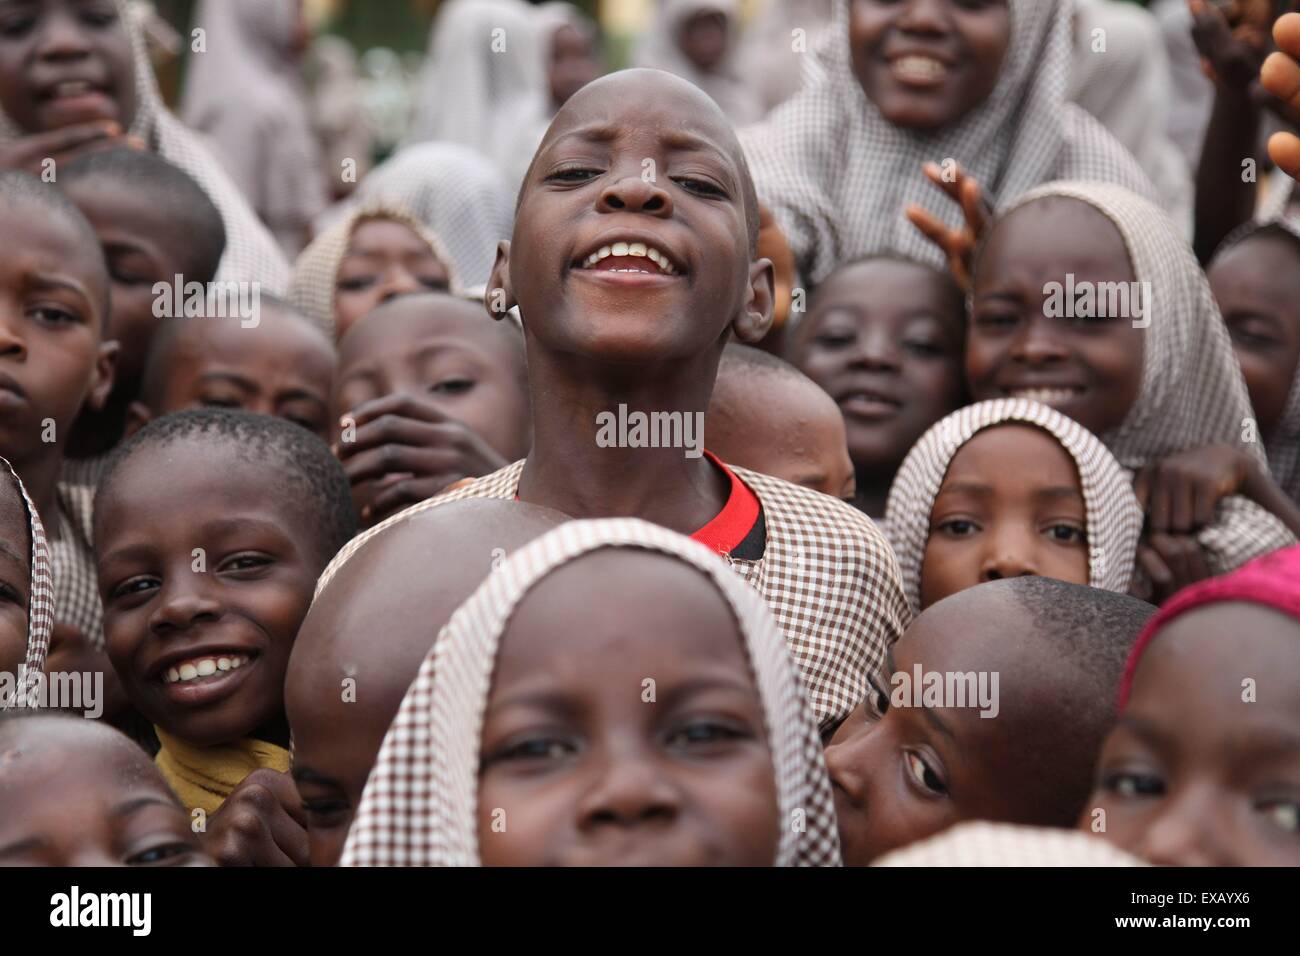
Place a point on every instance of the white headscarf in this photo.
(245, 94)
(40, 601)
(1114, 517)
(251, 253)
(420, 805)
(661, 50)
(837, 175)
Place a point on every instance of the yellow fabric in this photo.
(204, 776)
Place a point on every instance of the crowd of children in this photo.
(934, 526)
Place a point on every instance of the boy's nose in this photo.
(398, 281)
(12, 343)
(924, 16)
(182, 607)
(635, 194)
(1183, 833)
(846, 763)
(1037, 343)
(61, 37)
(1008, 556)
(877, 349)
(630, 790)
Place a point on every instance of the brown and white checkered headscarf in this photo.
(827, 574)
(837, 175)
(1283, 446)
(315, 271)
(1002, 844)
(251, 255)
(40, 601)
(1192, 392)
(72, 555)
(1114, 517)
(420, 805)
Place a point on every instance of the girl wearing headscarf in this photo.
(1112, 516)
(1187, 388)
(697, 40)
(1207, 778)
(838, 174)
(456, 195)
(244, 92)
(421, 806)
(251, 253)
(315, 286)
(25, 661)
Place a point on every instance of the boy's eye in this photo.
(245, 562)
(136, 585)
(538, 749)
(876, 703)
(958, 527)
(1134, 784)
(434, 282)
(922, 773)
(1283, 814)
(923, 348)
(219, 401)
(1067, 534)
(701, 187)
(572, 174)
(9, 593)
(702, 732)
(53, 315)
(355, 283)
(159, 854)
(996, 320)
(17, 24)
(326, 814)
(452, 386)
(834, 340)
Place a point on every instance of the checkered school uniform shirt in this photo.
(827, 574)
(40, 601)
(420, 805)
(76, 581)
(1192, 392)
(1003, 844)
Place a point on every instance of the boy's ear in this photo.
(499, 297)
(754, 322)
(101, 381)
(137, 416)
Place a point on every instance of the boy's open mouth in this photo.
(858, 402)
(1045, 394)
(78, 98)
(630, 256)
(204, 676)
(918, 69)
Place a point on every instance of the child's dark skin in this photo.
(47, 43)
(885, 339)
(780, 425)
(15, 576)
(405, 584)
(262, 549)
(902, 773)
(650, 338)
(284, 366)
(589, 774)
(1205, 778)
(77, 793)
(428, 392)
(1009, 505)
(927, 63)
(143, 246)
(385, 258)
(575, 62)
(1087, 369)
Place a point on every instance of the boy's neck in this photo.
(871, 496)
(569, 471)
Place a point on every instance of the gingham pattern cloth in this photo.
(1114, 517)
(1283, 446)
(420, 804)
(1003, 844)
(315, 272)
(827, 574)
(40, 601)
(76, 580)
(1192, 392)
(837, 175)
(457, 193)
(252, 255)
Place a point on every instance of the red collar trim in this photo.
(732, 524)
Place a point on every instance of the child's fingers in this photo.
(1286, 34)
(1142, 488)
(1280, 76)
(1162, 578)
(375, 463)
(403, 494)
(973, 207)
(399, 403)
(1284, 150)
(388, 429)
(932, 228)
(1182, 505)
(1203, 506)
(951, 185)
(1158, 506)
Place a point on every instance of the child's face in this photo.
(64, 62)
(703, 39)
(792, 430)
(283, 367)
(1010, 505)
(15, 577)
(142, 247)
(885, 340)
(574, 63)
(52, 294)
(76, 793)
(582, 770)
(447, 351)
(1257, 286)
(1089, 369)
(166, 616)
(1203, 767)
(644, 160)
(927, 63)
(901, 772)
(385, 258)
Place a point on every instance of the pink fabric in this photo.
(1272, 580)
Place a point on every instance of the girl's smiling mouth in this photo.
(205, 677)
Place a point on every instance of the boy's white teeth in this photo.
(924, 67)
(1045, 396)
(72, 88)
(203, 667)
(638, 249)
